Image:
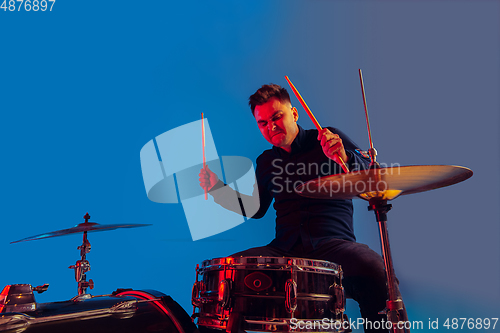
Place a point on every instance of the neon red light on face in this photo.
(277, 122)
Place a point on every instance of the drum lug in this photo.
(337, 300)
(198, 288)
(290, 295)
(224, 295)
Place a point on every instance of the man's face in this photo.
(277, 122)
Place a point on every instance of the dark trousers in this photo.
(364, 273)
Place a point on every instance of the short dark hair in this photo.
(265, 93)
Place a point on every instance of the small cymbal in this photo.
(384, 183)
(87, 226)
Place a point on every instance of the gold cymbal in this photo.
(384, 183)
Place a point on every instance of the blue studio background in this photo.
(84, 87)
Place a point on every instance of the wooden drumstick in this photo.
(203, 147)
(313, 118)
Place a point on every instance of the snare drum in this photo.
(271, 294)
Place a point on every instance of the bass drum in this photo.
(270, 294)
(124, 311)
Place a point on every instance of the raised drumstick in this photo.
(372, 151)
(315, 122)
(203, 146)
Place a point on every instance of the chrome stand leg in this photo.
(395, 310)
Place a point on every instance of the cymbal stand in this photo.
(394, 305)
(82, 266)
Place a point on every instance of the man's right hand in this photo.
(207, 178)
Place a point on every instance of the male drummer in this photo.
(307, 228)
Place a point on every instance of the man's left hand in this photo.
(332, 145)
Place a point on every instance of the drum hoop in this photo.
(271, 263)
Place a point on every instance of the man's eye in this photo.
(262, 124)
(277, 117)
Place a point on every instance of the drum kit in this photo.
(235, 294)
(267, 294)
